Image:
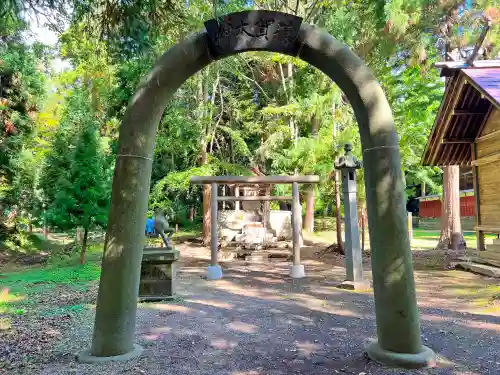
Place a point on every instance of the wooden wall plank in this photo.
(493, 123)
(489, 193)
(488, 147)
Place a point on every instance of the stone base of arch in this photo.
(87, 357)
(425, 358)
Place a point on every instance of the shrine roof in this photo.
(470, 96)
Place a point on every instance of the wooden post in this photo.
(206, 214)
(297, 270)
(480, 246)
(309, 220)
(410, 226)
(237, 194)
(223, 194)
(213, 223)
(214, 269)
(267, 210)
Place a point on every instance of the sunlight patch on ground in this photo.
(242, 327)
(168, 307)
(233, 288)
(5, 324)
(220, 343)
(215, 303)
(315, 304)
(481, 325)
(156, 333)
(268, 280)
(306, 348)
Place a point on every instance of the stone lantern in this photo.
(347, 165)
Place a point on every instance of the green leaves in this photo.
(75, 181)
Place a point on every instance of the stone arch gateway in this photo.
(398, 326)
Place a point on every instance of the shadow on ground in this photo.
(259, 321)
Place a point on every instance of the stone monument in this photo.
(158, 266)
(347, 165)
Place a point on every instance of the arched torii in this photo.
(398, 324)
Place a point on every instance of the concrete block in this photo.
(214, 272)
(227, 234)
(481, 269)
(298, 271)
(158, 274)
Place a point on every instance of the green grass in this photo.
(418, 234)
(433, 235)
(22, 290)
(193, 232)
(26, 243)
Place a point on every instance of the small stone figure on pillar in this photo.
(162, 227)
(347, 165)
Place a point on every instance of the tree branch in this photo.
(311, 9)
(283, 80)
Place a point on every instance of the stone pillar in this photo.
(398, 322)
(114, 326)
(353, 256)
(214, 269)
(267, 210)
(297, 270)
(237, 194)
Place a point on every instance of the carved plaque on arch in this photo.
(252, 31)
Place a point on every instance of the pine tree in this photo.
(89, 190)
(83, 189)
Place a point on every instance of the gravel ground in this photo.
(258, 321)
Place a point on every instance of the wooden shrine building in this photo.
(467, 133)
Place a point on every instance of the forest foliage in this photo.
(59, 129)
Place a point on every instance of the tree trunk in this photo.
(338, 219)
(314, 126)
(203, 98)
(206, 201)
(451, 237)
(207, 193)
(79, 235)
(191, 214)
(309, 220)
(362, 226)
(84, 246)
(30, 226)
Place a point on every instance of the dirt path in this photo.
(258, 321)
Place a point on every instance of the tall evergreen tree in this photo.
(82, 190)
